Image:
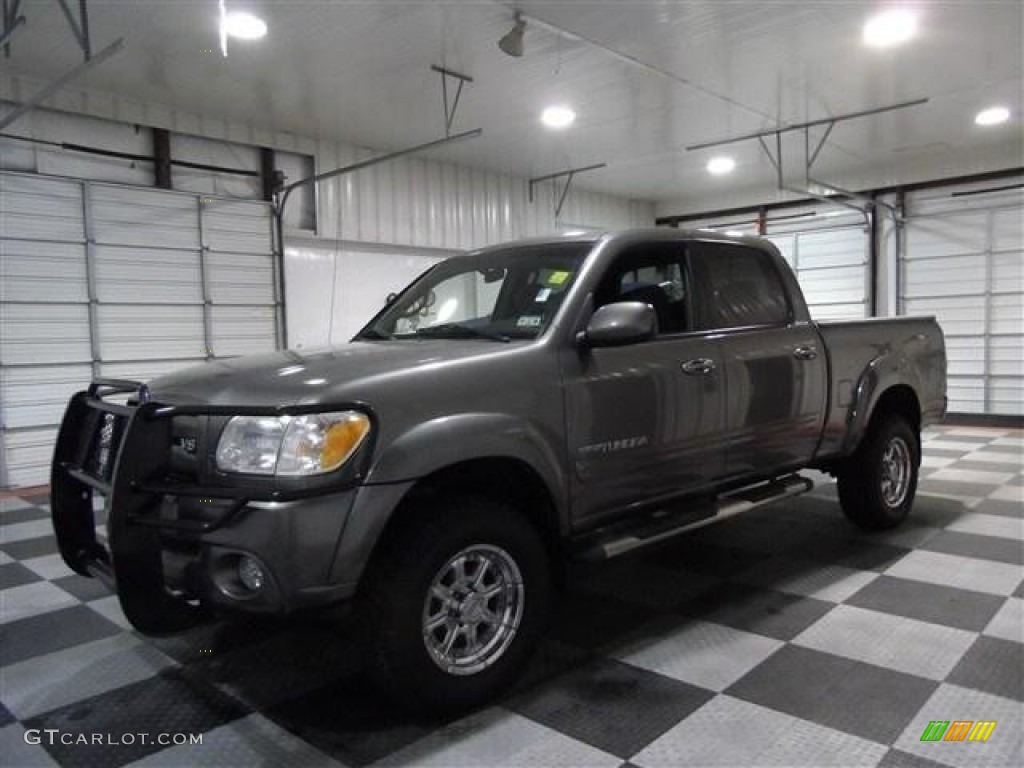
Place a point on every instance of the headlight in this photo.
(291, 445)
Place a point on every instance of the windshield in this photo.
(511, 293)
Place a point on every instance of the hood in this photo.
(311, 377)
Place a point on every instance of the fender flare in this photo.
(882, 374)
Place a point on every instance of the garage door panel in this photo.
(838, 311)
(28, 268)
(242, 330)
(1006, 356)
(145, 275)
(1008, 272)
(845, 285)
(44, 333)
(1007, 313)
(835, 248)
(150, 332)
(37, 396)
(958, 316)
(27, 455)
(38, 208)
(141, 370)
(947, 236)
(786, 245)
(1008, 229)
(1006, 396)
(238, 227)
(945, 276)
(236, 278)
(126, 216)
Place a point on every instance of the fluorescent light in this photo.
(244, 26)
(558, 117)
(992, 116)
(890, 28)
(720, 165)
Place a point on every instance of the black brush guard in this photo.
(116, 450)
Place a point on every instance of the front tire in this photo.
(877, 484)
(455, 603)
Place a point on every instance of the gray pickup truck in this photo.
(572, 397)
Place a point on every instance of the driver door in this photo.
(645, 424)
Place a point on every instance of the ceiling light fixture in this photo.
(720, 165)
(992, 116)
(512, 42)
(558, 117)
(890, 28)
(244, 26)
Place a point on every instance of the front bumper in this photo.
(173, 545)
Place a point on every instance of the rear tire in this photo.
(455, 603)
(878, 482)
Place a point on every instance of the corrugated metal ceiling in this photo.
(359, 72)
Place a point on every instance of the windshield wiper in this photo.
(374, 335)
(457, 330)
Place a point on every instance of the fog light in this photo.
(250, 573)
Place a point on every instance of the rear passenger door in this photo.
(774, 366)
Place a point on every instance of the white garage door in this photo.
(127, 282)
(828, 249)
(962, 262)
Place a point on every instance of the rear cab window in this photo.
(736, 286)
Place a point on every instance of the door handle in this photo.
(805, 353)
(700, 366)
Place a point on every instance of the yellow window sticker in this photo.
(557, 278)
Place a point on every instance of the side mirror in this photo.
(624, 322)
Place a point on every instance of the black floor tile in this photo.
(23, 515)
(37, 498)
(82, 587)
(172, 702)
(847, 695)
(703, 557)
(612, 706)
(936, 511)
(29, 548)
(590, 621)
(15, 574)
(348, 722)
(765, 612)
(1019, 591)
(896, 758)
(951, 488)
(992, 665)
(6, 718)
(53, 631)
(953, 607)
(977, 546)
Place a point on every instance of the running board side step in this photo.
(618, 540)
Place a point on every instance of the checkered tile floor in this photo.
(781, 638)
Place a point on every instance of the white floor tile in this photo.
(64, 677)
(48, 566)
(906, 645)
(5, 558)
(951, 702)
(1008, 493)
(1010, 441)
(728, 732)
(834, 583)
(992, 432)
(989, 525)
(12, 504)
(701, 653)
(995, 457)
(956, 571)
(496, 737)
(947, 444)
(981, 477)
(935, 462)
(33, 599)
(33, 529)
(110, 608)
(15, 751)
(1008, 623)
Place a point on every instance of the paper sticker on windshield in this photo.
(557, 278)
(528, 321)
(542, 295)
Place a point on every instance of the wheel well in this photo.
(899, 400)
(500, 477)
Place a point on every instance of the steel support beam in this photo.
(449, 111)
(569, 174)
(80, 26)
(48, 90)
(12, 24)
(374, 161)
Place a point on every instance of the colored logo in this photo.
(958, 730)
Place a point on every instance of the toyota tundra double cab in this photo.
(514, 407)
